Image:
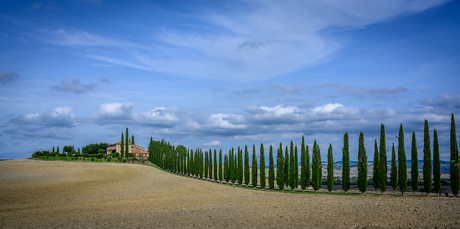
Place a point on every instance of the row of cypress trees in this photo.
(236, 169)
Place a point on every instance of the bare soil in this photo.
(49, 194)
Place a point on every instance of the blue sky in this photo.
(222, 74)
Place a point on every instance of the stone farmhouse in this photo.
(134, 149)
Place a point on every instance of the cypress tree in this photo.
(345, 164)
(414, 166)
(53, 150)
(307, 166)
(122, 146)
(192, 164)
(127, 143)
(436, 164)
(226, 172)
(206, 164)
(231, 166)
(426, 159)
(210, 164)
(246, 165)
(235, 168)
(402, 163)
(330, 169)
(320, 167)
(280, 168)
(286, 168)
(271, 169)
(240, 166)
(254, 167)
(454, 170)
(132, 139)
(220, 165)
(394, 170)
(57, 150)
(215, 164)
(262, 166)
(292, 167)
(383, 160)
(375, 175)
(303, 164)
(314, 168)
(296, 184)
(362, 165)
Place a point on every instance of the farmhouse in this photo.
(134, 149)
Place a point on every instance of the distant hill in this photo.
(445, 168)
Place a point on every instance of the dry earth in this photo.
(47, 194)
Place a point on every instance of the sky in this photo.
(223, 74)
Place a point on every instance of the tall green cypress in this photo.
(307, 166)
(330, 169)
(383, 160)
(320, 166)
(127, 144)
(122, 146)
(235, 168)
(287, 167)
(246, 165)
(231, 166)
(426, 159)
(414, 164)
(220, 166)
(436, 164)
(210, 164)
(375, 175)
(132, 139)
(57, 148)
(280, 168)
(254, 167)
(303, 164)
(314, 168)
(345, 164)
(53, 150)
(215, 165)
(402, 162)
(226, 170)
(240, 166)
(296, 184)
(454, 170)
(394, 170)
(271, 169)
(192, 164)
(292, 167)
(362, 165)
(206, 164)
(262, 166)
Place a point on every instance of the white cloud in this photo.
(327, 108)
(57, 117)
(247, 40)
(212, 144)
(443, 100)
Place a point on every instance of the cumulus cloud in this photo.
(108, 113)
(57, 117)
(383, 92)
(8, 77)
(443, 100)
(74, 86)
(212, 144)
(284, 88)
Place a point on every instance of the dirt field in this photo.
(42, 194)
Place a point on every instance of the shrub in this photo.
(119, 158)
(124, 159)
(92, 159)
